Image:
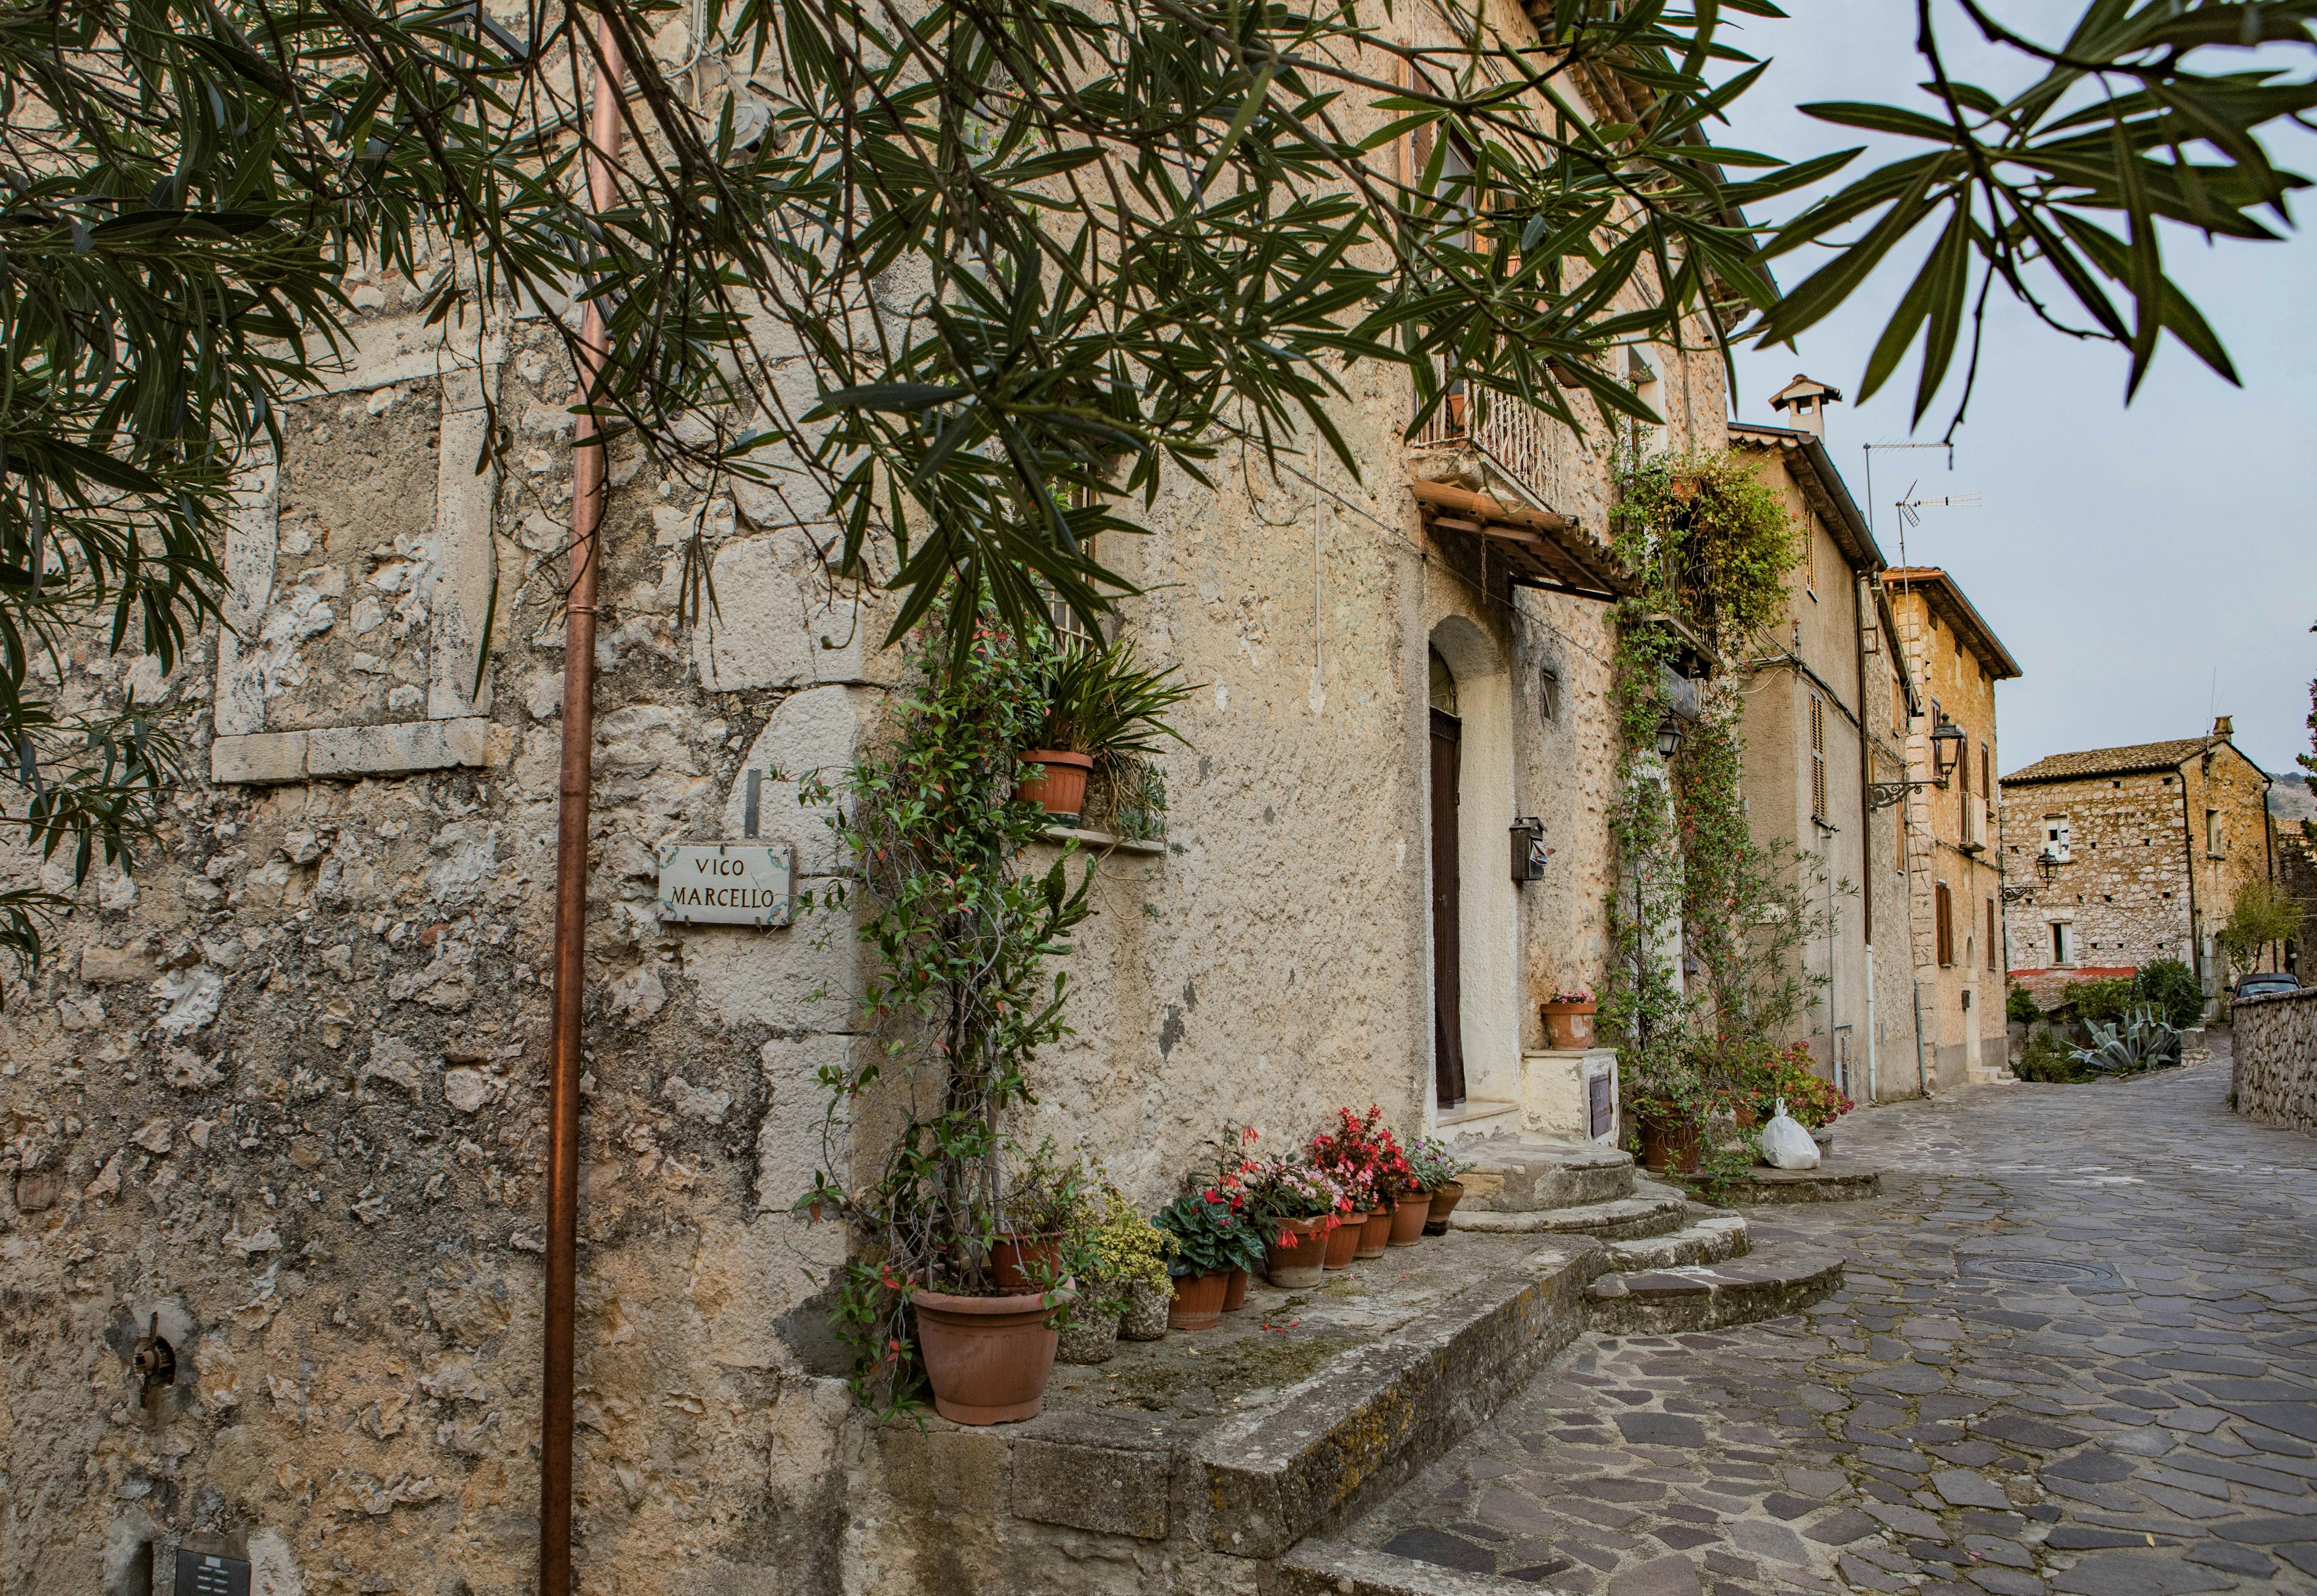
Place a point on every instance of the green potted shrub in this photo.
(1114, 1254)
(1099, 703)
(1215, 1232)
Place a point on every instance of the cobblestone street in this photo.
(2076, 1350)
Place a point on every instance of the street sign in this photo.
(725, 883)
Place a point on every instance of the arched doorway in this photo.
(1448, 906)
(1474, 905)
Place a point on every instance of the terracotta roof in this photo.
(2137, 757)
(1944, 595)
(1822, 485)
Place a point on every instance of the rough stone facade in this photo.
(1820, 728)
(2152, 842)
(2276, 1058)
(279, 1090)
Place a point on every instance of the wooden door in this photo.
(1447, 961)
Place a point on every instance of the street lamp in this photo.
(2047, 865)
(1947, 749)
(1669, 736)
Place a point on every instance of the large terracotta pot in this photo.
(1235, 1291)
(1672, 1145)
(1060, 781)
(987, 1357)
(1569, 1027)
(1198, 1301)
(1444, 1199)
(1295, 1259)
(1376, 1234)
(1025, 1262)
(1407, 1216)
(1344, 1241)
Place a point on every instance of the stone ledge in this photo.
(1330, 1568)
(1106, 841)
(1621, 1219)
(1833, 1181)
(1779, 1280)
(262, 758)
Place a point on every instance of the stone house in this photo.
(1955, 875)
(278, 1094)
(2148, 845)
(1825, 721)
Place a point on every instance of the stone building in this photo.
(277, 1095)
(1826, 713)
(2148, 846)
(1954, 881)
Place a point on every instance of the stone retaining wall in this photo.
(2276, 1059)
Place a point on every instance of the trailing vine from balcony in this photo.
(1712, 546)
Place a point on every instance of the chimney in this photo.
(1808, 399)
(2224, 727)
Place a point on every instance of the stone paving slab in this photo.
(2075, 1350)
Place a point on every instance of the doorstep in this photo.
(1473, 1110)
(1835, 1181)
(1295, 1414)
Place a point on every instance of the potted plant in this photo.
(1436, 1168)
(1569, 1020)
(1215, 1233)
(1039, 1209)
(1365, 1158)
(1099, 703)
(1300, 1206)
(1114, 1253)
(1664, 1129)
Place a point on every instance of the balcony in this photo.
(1513, 438)
(1543, 548)
(1974, 825)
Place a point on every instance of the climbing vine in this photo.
(1706, 922)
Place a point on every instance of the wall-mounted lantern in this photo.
(1669, 736)
(1529, 852)
(1947, 749)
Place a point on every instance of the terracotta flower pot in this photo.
(1020, 1262)
(1198, 1301)
(1569, 1027)
(1670, 1144)
(1344, 1241)
(1060, 783)
(1295, 1259)
(986, 1358)
(1407, 1216)
(1147, 1307)
(1376, 1234)
(1444, 1199)
(1235, 1291)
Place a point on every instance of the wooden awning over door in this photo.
(1544, 549)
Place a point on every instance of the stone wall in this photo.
(2276, 1072)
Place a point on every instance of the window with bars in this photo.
(1818, 757)
(1943, 919)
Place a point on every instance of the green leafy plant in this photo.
(2046, 1058)
(1434, 1164)
(2019, 1006)
(2105, 999)
(1113, 1250)
(1100, 699)
(2138, 1041)
(959, 1002)
(2262, 914)
(1214, 1230)
(2174, 991)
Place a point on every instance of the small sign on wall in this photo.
(725, 883)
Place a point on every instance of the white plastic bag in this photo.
(1786, 1144)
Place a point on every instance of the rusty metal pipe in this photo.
(559, 1334)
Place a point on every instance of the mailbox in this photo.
(1529, 852)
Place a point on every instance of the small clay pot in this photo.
(1058, 783)
(1235, 1291)
(986, 1358)
(1198, 1301)
(1295, 1259)
(1344, 1241)
(1376, 1234)
(1020, 1262)
(1088, 1340)
(1444, 1199)
(1145, 1319)
(1407, 1216)
(1569, 1027)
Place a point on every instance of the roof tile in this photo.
(2137, 757)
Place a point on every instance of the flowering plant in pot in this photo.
(1215, 1232)
(1100, 704)
(1300, 1204)
(1569, 1020)
(1436, 1168)
(1366, 1159)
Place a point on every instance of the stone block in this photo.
(261, 756)
(757, 633)
(944, 1470)
(392, 749)
(816, 731)
(1111, 1490)
(462, 590)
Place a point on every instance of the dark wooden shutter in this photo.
(1944, 903)
(1990, 933)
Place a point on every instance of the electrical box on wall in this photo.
(1529, 852)
(206, 1574)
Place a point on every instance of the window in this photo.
(1990, 933)
(2062, 951)
(2216, 837)
(1986, 772)
(1898, 709)
(1943, 902)
(1549, 693)
(1818, 757)
(2056, 837)
(1899, 831)
(1810, 556)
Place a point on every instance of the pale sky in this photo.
(2147, 567)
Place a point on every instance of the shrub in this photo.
(2173, 989)
(2099, 1000)
(2046, 1060)
(2019, 1007)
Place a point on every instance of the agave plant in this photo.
(2139, 1040)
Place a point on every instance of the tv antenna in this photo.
(1869, 449)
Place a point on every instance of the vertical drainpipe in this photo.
(565, 1059)
(1858, 603)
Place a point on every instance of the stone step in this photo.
(1624, 1218)
(1324, 1567)
(1835, 1181)
(1526, 1174)
(1783, 1277)
(1707, 1238)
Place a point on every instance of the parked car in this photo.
(2260, 983)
